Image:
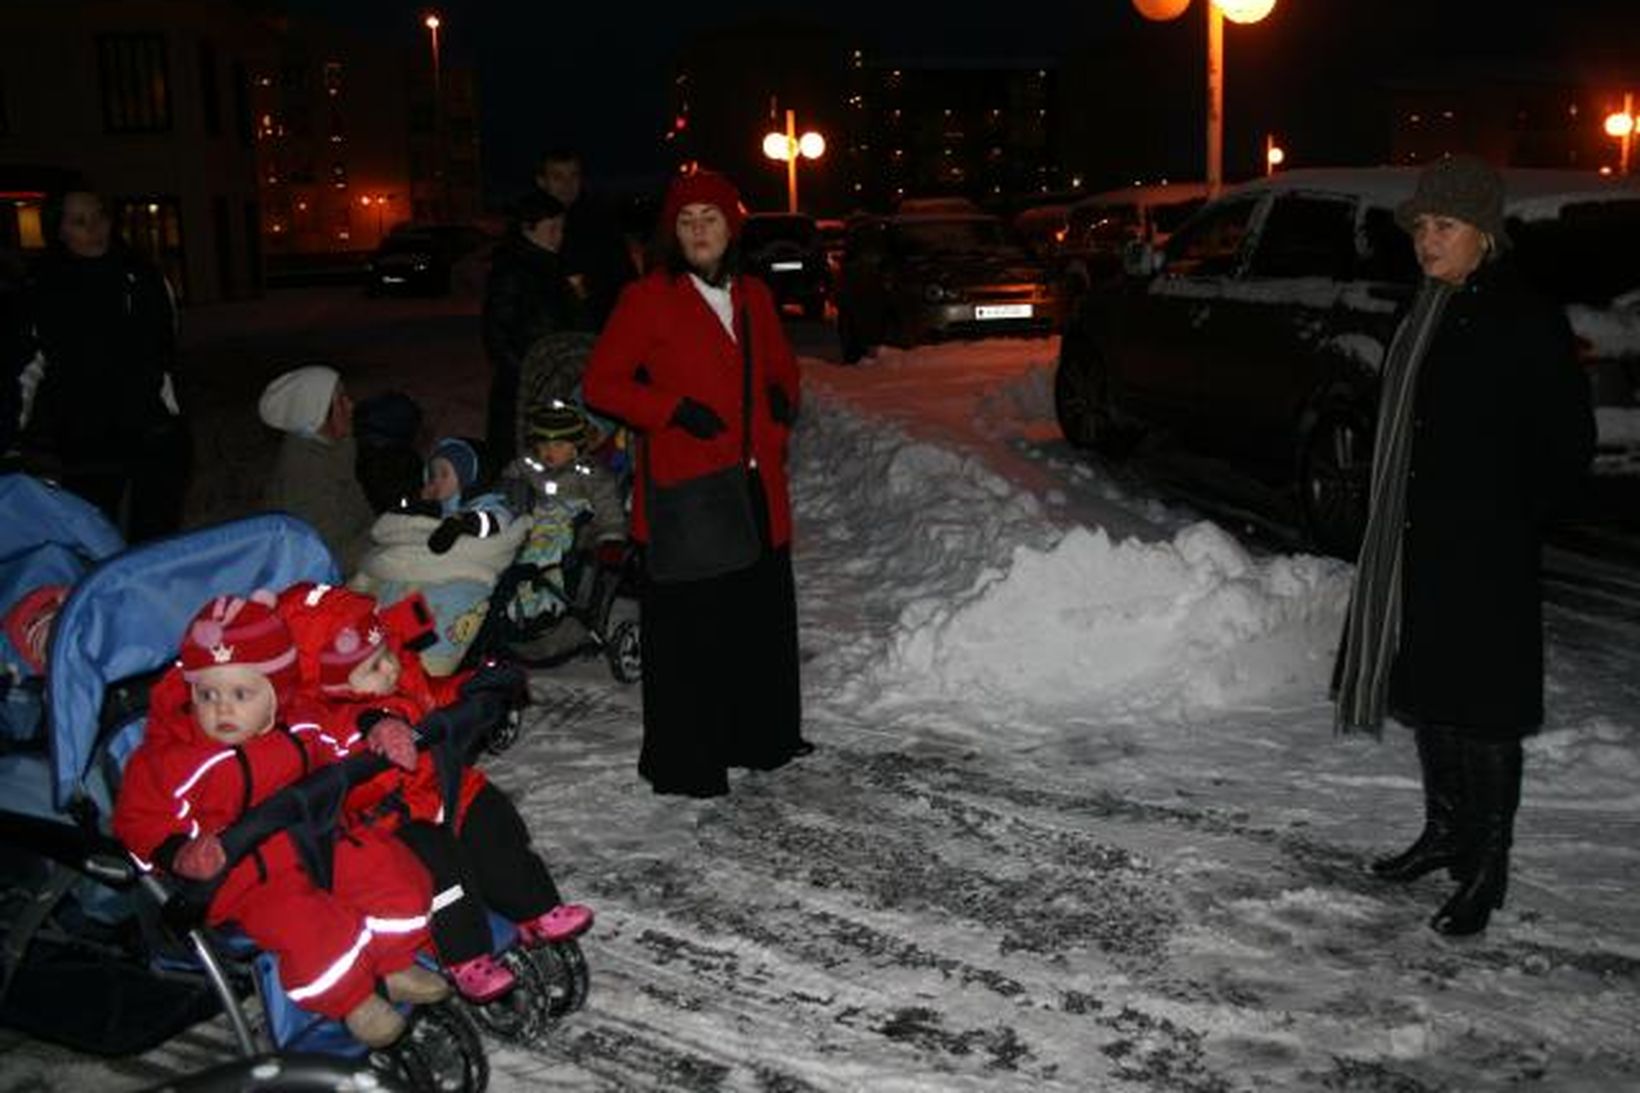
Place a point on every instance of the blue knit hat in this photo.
(462, 457)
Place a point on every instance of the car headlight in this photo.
(936, 293)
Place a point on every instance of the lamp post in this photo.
(1237, 11)
(788, 146)
(442, 188)
(1621, 126)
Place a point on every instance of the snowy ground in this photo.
(1078, 820)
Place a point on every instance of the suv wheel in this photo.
(1081, 401)
(1336, 479)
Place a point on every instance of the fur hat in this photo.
(241, 632)
(462, 457)
(28, 623)
(702, 188)
(1463, 187)
(299, 401)
(556, 423)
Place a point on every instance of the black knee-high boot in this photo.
(1441, 845)
(1492, 771)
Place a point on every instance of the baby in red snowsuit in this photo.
(357, 666)
(225, 731)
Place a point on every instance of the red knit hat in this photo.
(241, 632)
(336, 629)
(702, 188)
(28, 623)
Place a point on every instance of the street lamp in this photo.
(432, 22)
(1621, 125)
(787, 146)
(1274, 154)
(1237, 11)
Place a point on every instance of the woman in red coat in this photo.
(695, 361)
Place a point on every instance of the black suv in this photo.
(1255, 337)
(784, 249)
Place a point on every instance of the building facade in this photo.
(148, 103)
(947, 127)
(351, 141)
(1518, 118)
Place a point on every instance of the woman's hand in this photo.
(696, 419)
(780, 407)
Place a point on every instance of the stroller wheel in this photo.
(565, 971)
(522, 1014)
(625, 652)
(506, 732)
(441, 1050)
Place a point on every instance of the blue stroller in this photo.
(50, 537)
(105, 959)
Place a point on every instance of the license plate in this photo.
(782, 267)
(1002, 311)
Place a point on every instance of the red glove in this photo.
(393, 738)
(611, 553)
(200, 858)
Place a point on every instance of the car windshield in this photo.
(964, 236)
(760, 231)
(1586, 255)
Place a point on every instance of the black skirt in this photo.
(720, 678)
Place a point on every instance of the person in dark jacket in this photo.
(694, 359)
(105, 419)
(527, 298)
(595, 254)
(1484, 425)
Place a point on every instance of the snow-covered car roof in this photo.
(1531, 193)
(1156, 193)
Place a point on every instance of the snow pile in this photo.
(1124, 629)
(980, 600)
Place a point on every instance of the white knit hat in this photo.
(299, 400)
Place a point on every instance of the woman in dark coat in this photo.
(694, 359)
(105, 419)
(526, 298)
(1484, 426)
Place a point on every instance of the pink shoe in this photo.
(563, 922)
(481, 979)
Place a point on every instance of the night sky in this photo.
(592, 74)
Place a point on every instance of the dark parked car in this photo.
(419, 258)
(785, 250)
(914, 278)
(1100, 228)
(1256, 335)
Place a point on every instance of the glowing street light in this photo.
(1621, 125)
(786, 146)
(1274, 154)
(1237, 11)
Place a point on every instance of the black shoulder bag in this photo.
(705, 527)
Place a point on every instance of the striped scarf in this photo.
(1373, 627)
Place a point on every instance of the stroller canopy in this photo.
(38, 513)
(126, 618)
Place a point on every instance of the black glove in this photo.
(698, 420)
(780, 407)
(445, 535)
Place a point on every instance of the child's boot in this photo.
(416, 985)
(563, 922)
(481, 979)
(374, 1023)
